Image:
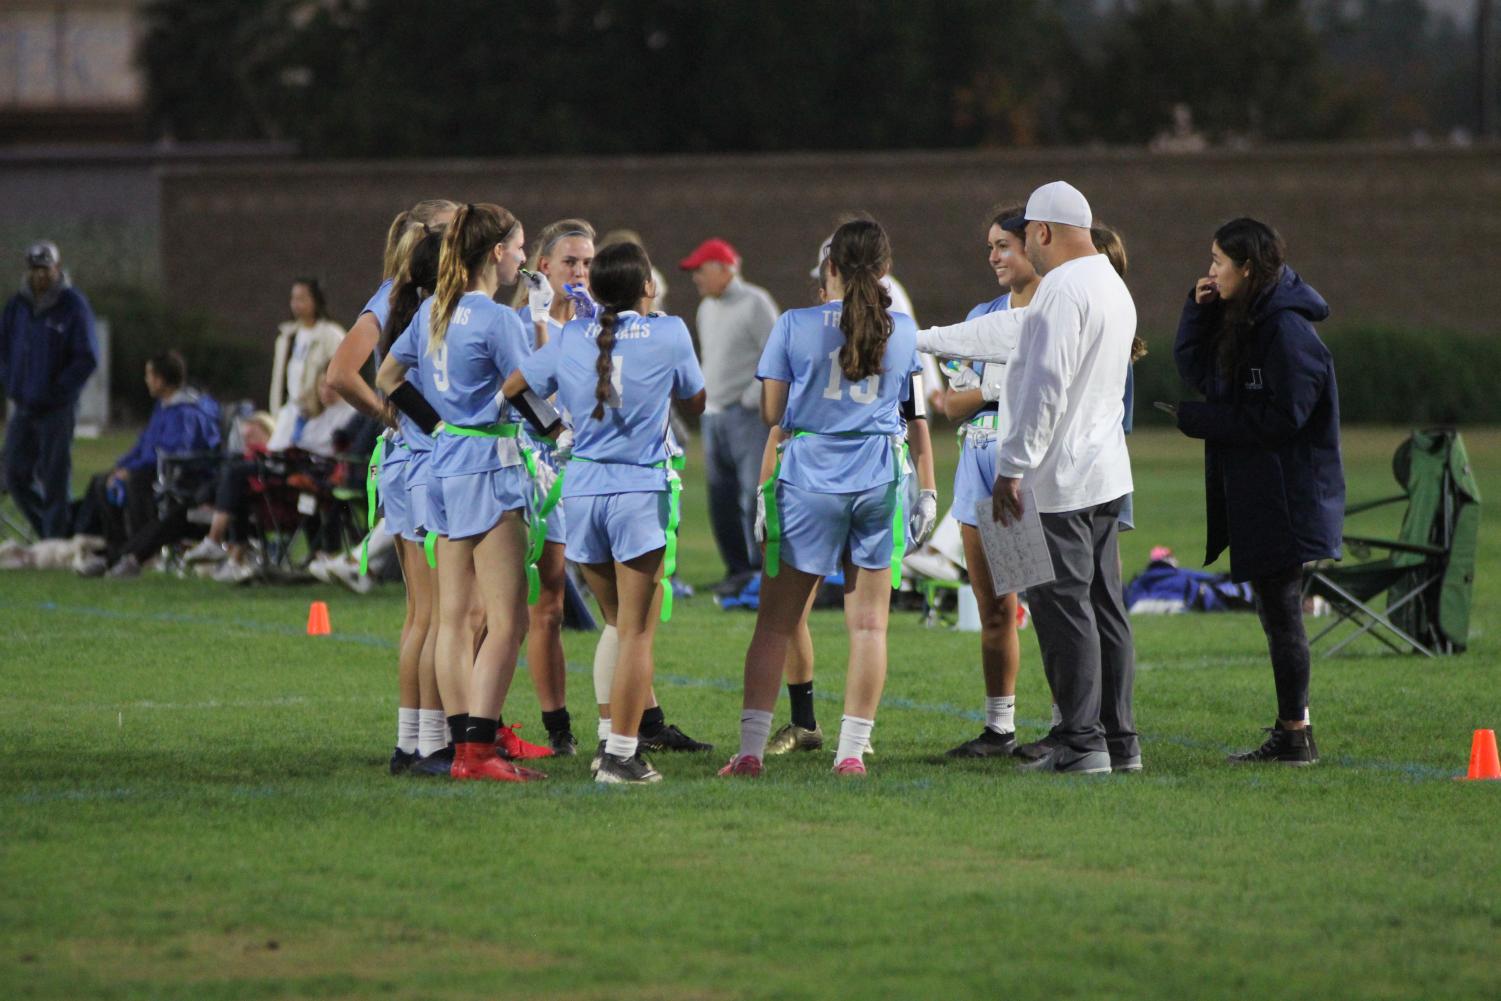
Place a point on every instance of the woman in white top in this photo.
(305, 345)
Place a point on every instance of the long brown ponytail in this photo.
(472, 235)
(860, 253)
(617, 279)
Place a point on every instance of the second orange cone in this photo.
(317, 619)
(1484, 763)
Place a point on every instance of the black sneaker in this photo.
(435, 765)
(599, 756)
(988, 744)
(562, 742)
(1282, 747)
(402, 760)
(635, 770)
(670, 738)
(1036, 750)
(733, 584)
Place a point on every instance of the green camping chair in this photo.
(1428, 571)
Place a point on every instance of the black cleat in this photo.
(634, 770)
(599, 756)
(988, 744)
(670, 738)
(402, 760)
(562, 742)
(1282, 747)
(439, 763)
(1036, 750)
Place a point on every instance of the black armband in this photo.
(411, 402)
(541, 415)
(915, 407)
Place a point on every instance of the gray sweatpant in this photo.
(1085, 634)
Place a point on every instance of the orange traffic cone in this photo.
(1483, 761)
(317, 619)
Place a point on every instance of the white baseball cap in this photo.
(1058, 202)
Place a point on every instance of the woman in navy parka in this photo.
(1269, 419)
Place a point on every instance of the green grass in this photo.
(196, 807)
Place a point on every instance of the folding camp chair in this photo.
(1428, 573)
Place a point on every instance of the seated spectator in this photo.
(304, 346)
(182, 420)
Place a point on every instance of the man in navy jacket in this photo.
(48, 350)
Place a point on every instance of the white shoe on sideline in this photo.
(232, 572)
(207, 551)
(347, 572)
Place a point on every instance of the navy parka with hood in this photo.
(1274, 481)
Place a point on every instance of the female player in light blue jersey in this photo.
(461, 343)
(835, 378)
(974, 399)
(564, 252)
(420, 729)
(617, 374)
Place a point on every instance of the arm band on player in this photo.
(412, 403)
(541, 415)
(916, 408)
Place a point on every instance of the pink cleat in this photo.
(742, 764)
(850, 766)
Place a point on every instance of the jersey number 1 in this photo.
(863, 392)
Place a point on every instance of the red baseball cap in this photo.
(712, 249)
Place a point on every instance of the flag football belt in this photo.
(372, 491)
(773, 561)
(673, 466)
(430, 541)
(982, 429)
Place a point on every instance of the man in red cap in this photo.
(734, 320)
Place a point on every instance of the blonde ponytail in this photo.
(474, 232)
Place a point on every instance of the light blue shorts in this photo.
(820, 530)
(605, 528)
(394, 503)
(471, 504)
(419, 519)
(974, 478)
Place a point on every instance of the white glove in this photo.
(584, 306)
(562, 448)
(961, 376)
(990, 392)
(760, 527)
(546, 477)
(925, 517)
(538, 296)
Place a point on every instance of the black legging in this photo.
(1279, 603)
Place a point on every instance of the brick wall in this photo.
(1406, 237)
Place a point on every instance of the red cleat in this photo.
(483, 764)
(742, 764)
(513, 748)
(850, 766)
(460, 767)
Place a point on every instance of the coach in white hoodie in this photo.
(1062, 439)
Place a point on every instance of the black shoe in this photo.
(988, 744)
(1036, 750)
(437, 764)
(634, 770)
(562, 742)
(402, 760)
(599, 756)
(670, 738)
(733, 584)
(1282, 747)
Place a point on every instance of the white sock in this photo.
(755, 728)
(1057, 716)
(604, 729)
(406, 730)
(1000, 713)
(621, 747)
(854, 735)
(432, 731)
(606, 652)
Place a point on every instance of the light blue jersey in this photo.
(803, 350)
(484, 343)
(380, 304)
(653, 364)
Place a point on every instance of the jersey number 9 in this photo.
(440, 368)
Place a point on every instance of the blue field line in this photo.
(1412, 770)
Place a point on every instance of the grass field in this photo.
(196, 807)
